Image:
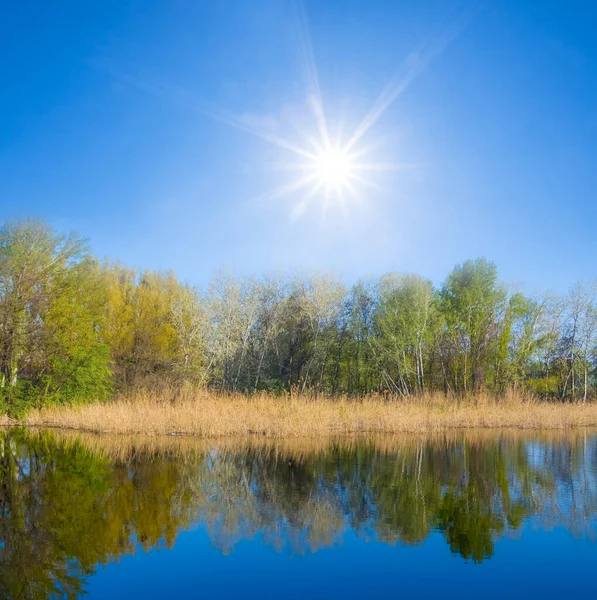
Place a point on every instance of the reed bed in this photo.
(204, 413)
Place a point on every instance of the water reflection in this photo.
(70, 503)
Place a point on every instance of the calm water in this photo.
(458, 515)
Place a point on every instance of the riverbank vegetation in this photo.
(204, 413)
(75, 329)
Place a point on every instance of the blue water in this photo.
(501, 515)
(540, 564)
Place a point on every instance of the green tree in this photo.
(50, 317)
(406, 323)
(474, 306)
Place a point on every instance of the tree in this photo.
(406, 323)
(473, 304)
(72, 329)
(361, 369)
(579, 338)
(48, 316)
(189, 319)
(76, 359)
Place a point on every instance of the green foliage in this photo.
(73, 330)
(51, 311)
(407, 323)
(86, 375)
(546, 386)
(473, 304)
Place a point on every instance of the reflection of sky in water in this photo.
(539, 564)
(573, 471)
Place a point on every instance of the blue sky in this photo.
(107, 127)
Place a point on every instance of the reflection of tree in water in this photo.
(240, 495)
(65, 508)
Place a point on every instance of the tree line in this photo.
(75, 328)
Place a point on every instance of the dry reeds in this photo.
(204, 413)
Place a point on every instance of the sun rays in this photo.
(329, 170)
(338, 172)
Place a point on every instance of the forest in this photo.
(74, 328)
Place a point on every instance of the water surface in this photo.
(497, 514)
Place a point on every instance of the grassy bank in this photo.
(208, 414)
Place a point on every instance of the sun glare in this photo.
(333, 166)
(333, 169)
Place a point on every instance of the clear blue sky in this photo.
(107, 127)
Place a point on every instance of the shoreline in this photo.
(292, 436)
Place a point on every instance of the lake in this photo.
(460, 514)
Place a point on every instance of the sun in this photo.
(333, 169)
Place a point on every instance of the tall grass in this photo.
(204, 413)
